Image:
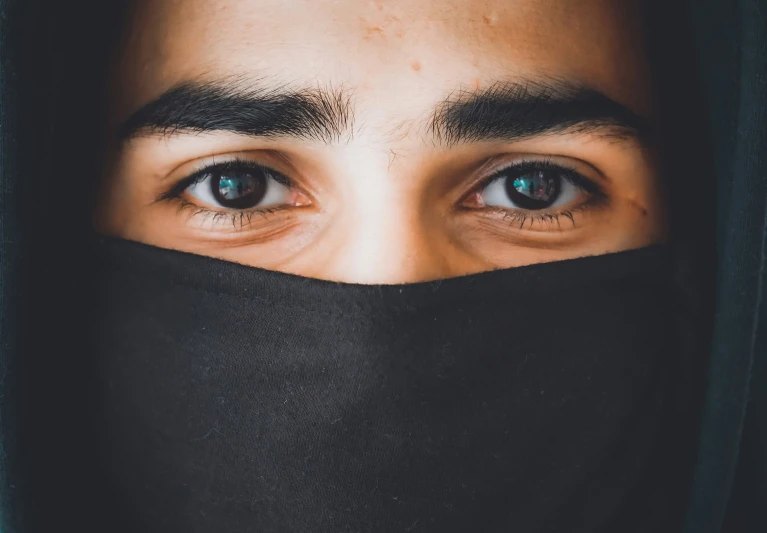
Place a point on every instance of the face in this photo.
(383, 142)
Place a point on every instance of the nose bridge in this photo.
(386, 242)
(381, 231)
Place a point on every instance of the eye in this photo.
(533, 187)
(234, 186)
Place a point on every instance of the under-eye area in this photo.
(365, 169)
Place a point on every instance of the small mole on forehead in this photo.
(374, 30)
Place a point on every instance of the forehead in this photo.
(416, 50)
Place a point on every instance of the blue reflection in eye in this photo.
(238, 189)
(234, 187)
(534, 190)
(537, 186)
(544, 186)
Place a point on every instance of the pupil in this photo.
(239, 189)
(534, 190)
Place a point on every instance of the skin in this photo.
(378, 205)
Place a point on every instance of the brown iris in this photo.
(238, 189)
(537, 189)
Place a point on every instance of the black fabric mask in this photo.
(532, 399)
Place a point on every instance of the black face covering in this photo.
(532, 399)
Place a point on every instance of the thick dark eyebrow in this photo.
(514, 111)
(317, 113)
(505, 111)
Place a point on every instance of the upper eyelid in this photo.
(542, 162)
(233, 164)
(536, 164)
(531, 165)
(198, 175)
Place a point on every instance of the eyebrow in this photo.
(321, 114)
(503, 111)
(514, 111)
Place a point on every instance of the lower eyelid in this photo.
(529, 220)
(593, 201)
(239, 219)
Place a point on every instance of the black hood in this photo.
(711, 57)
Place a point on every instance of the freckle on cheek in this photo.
(416, 66)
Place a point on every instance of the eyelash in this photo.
(234, 164)
(242, 218)
(516, 218)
